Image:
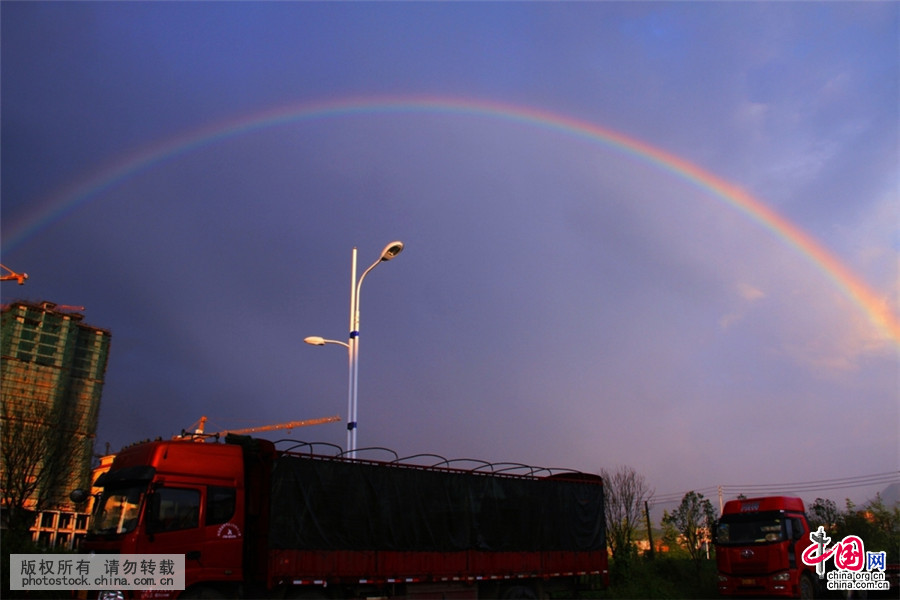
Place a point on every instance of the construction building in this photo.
(53, 367)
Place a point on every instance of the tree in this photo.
(875, 523)
(823, 512)
(36, 463)
(693, 520)
(624, 494)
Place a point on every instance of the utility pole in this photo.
(649, 528)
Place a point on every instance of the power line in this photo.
(676, 497)
(828, 483)
(796, 487)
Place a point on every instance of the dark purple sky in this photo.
(183, 171)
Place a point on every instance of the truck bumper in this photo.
(775, 585)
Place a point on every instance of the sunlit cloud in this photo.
(748, 295)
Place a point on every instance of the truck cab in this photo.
(175, 497)
(759, 545)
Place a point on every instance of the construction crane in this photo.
(199, 426)
(10, 275)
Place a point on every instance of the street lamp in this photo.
(315, 340)
(352, 345)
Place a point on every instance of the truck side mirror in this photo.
(797, 532)
(151, 515)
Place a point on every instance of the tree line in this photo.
(690, 526)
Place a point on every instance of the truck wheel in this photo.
(807, 588)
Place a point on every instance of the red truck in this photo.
(759, 549)
(254, 521)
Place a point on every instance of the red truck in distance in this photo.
(759, 549)
(254, 522)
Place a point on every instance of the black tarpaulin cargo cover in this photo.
(324, 504)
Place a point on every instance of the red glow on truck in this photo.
(253, 521)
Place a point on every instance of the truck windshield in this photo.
(756, 528)
(118, 509)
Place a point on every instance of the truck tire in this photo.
(807, 588)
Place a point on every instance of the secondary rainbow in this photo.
(81, 192)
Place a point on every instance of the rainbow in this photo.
(67, 200)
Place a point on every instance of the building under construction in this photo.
(53, 367)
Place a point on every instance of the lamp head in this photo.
(314, 340)
(391, 250)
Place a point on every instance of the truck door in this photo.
(196, 521)
(223, 535)
(806, 581)
(173, 526)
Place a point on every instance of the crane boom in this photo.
(289, 425)
(10, 275)
(198, 427)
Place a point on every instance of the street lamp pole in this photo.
(352, 345)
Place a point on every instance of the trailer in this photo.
(254, 521)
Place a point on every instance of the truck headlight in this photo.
(783, 576)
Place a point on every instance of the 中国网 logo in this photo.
(857, 569)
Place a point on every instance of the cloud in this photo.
(749, 294)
